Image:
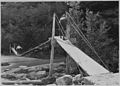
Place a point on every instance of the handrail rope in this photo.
(68, 44)
(62, 30)
(95, 52)
(60, 24)
(35, 47)
(60, 27)
(85, 39)
(88, 43)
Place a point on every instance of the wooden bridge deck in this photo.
(86, 63)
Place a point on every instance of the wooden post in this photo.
(52, 47)
(68, 37)
(70, 62)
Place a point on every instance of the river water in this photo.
(15, 61)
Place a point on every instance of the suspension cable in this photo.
(62, 31)
(35, 47)
(85, 39)
(88, 43)
(59, 23)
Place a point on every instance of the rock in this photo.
(6, 70)
(9, 76)
(51, 85)
(41, 74)
(48, 80)
(21, 76)
(77, 79)
(106, 79)
(62, 64)
(13, 70)
(59, 69)
(74, 70)
(45, 68)
(56, 75)
(22, 70)
(5, 64)
(39, 68)
(64, 80)
(23, 67)
(31, 69)
(36, 75)
(32, 76)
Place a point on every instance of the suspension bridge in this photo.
(97, 73)
(90, 66)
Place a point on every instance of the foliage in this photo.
(27, 23)
(109, 11)
(96, 29)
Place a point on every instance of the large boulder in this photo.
(77, 80)
(48, 80)
(37, 75)
(41, 74)
(64, 80)
(105, 79)
(21, 76)
(32, 76)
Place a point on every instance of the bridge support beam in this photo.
(52, 47)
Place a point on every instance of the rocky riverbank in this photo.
(38, 75)
(40, 72)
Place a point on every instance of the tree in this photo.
(27, 23)
(96, 29)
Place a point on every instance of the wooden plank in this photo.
(86, 63)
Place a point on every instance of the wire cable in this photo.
(62, 30)
(35, 47)
(69, 44)
(85, 39)
(60, 25)
(88, 43)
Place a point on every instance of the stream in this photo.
(15, 61)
